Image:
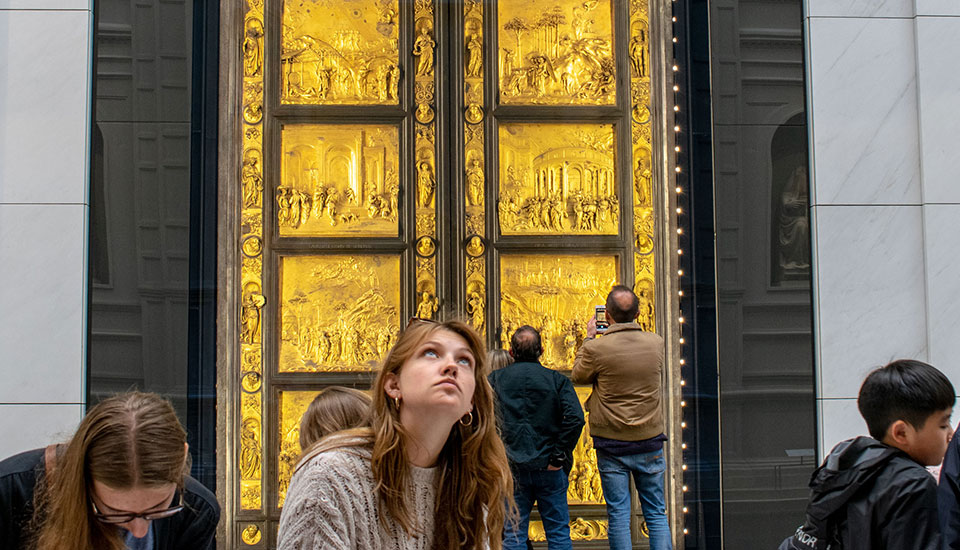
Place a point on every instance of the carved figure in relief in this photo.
(474, 56)
(423, 48)
(475, 308)
(427, 306)
(250, 317)
(475, 184)
(252, 181)
(252, 53)
(425, 184)
(393, 82)
(637, 58)
(250, 448)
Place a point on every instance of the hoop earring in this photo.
(396, 401)
(469, 417)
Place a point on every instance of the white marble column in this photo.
(883, 134)
(45, 67)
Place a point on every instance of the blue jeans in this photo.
(647, 471)
(549, 490)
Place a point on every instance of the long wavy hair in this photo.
(133, 440)
(474, 482)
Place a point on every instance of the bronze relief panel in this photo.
(558, 179)
(337, 313)
(556, 53)
(340, 53)
(339, 180)
(555, 294)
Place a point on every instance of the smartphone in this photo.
(600, 313)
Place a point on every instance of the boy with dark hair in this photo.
(873, 493)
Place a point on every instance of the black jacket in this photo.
(539, 414)
(948, 495)
(193, 528)
(871, 497)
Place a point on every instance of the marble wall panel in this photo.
(859, 8)
(870, 292)
(862, 86)
(942, 241)
(45, 5)
(42, 288)
(26, 427)
(840, 420)
(938, 41)
(44, 106)
(937, 7)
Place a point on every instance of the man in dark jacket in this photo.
(540, 421)
(873, 493)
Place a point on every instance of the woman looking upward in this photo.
(430, 471)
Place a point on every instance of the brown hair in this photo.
(474, 482)
(335, 408)
(498, 358)
(129, 441)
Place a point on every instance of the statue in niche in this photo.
(637, 58)
(425, 184)
(475, 183)
(250, 317)
(252, 181)
(475, 310)
(642, 182)
(428, 305)
(793, 235)
(252, 54)
(250, 448)
(423, 48)
(474, 56)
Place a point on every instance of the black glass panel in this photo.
(749, 275)
(152, 211)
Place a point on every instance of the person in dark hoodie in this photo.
(873, 493)
(540, 420)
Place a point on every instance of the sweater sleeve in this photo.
(316, 513)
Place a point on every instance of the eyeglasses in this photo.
(415, 320)
(128, 517)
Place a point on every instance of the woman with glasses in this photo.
(120, 483)
(428, 472)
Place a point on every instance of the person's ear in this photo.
(609, 318)
(511, 354)
(899, 432)
(391, 385)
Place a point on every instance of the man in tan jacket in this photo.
(624, 366)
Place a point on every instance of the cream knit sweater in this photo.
(331, 505)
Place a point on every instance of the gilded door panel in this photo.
(340, 53)
(556, 52)
(292, 406)
(558, 179)
(337, 313)
(555, 295)
(339, 180)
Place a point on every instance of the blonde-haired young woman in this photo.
(335, 408)
(430, 472)
(120, 483)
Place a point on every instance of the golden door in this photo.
(493, 162)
